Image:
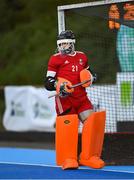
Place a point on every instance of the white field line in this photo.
(55, 166)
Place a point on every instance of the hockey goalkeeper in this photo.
(66, 68)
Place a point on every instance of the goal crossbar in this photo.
(96, 3)
(61, 9)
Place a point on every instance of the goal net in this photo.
(105, 32)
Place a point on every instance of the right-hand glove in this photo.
(63, 87)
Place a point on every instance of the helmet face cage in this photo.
(65, 42)
(65, 47)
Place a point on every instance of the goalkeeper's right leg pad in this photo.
(67, 141)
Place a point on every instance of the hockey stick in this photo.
(73, 86)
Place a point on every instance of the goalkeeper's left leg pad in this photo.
(92, 140)
(67, 141)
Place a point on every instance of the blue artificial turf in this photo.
(22, 163)
(20, 171)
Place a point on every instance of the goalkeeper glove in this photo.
(85, 75)
(63, 87)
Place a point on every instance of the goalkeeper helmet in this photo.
(65, 42)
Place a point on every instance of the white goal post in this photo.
(61, 9)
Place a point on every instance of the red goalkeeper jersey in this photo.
(69, 67)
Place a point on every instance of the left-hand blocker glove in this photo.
(63, 87)
(84, 76)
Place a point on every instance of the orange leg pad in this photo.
(93, 136)
(66, 138)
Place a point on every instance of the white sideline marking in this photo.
(54, 166)
(111, 170)
(28, 164)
